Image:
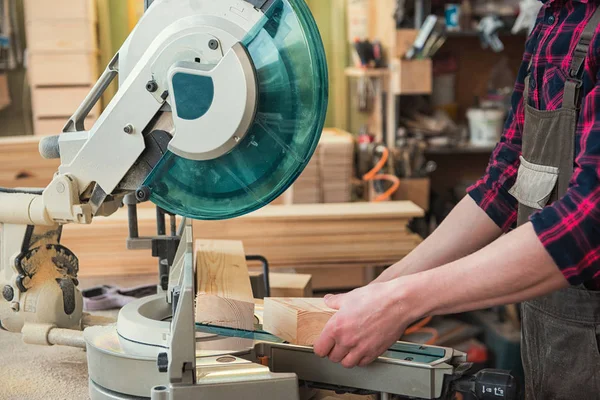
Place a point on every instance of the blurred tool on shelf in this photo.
(528, 12)
(488, 28)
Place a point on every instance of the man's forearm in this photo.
(513, 269)
(466, 230)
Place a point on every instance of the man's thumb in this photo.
(333, 301)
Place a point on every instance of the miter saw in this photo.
(220, 107)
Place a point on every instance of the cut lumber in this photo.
(295, 320)
(22, 165)
(290, 285)
(328, 176)
(224, 295)
(336, 243)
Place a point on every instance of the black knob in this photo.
(152, 86)
(8, 293)
(162, 362)
(143, 194)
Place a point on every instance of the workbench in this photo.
(58, 373)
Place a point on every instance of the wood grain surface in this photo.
(224, 291)
(296, 320)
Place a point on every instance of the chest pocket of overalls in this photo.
(535, 184)
(548, 143)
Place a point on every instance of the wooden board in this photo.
(41, 10)
(336, 276)
(49, 102)
(290, 285)
(5, 99)
(60, 69)
(354, 211)
(331, 395)
(339, 249)
(297, 321)
(54, 126)
(22, 165)
(62, 35)
(223, 284)
(327, 177)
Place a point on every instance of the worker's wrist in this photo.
(410, 292)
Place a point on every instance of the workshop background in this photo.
(419, 91)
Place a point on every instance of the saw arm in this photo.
(219, 108)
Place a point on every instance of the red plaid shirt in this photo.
(570, 227)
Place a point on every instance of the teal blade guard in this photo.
(291, 69)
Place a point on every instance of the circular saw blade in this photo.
(289, 59)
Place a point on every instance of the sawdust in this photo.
(41, 373)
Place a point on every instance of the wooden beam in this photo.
(290, 285)
(224, 291)
(295, 320)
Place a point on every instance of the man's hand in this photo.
(369, 321)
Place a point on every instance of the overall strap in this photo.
(571, 97)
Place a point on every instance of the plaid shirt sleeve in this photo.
(491, 191)
(570, 228)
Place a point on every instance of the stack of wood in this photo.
(336, 154)
(4, 91)
(62, 59)
(328, 176)
(338, 244)
(22, 165)
(307, 188)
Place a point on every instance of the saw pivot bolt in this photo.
(129, 129)
(213, 44)
(152, 86)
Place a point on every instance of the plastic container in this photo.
(485, 126)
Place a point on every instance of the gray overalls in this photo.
(561, 331)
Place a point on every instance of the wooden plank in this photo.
(288, 240)
(297, 321)
(337, 276)
(62, 36)
(5, 99)
(54, 126)
(22, 165)
(59, 69)
(224, 291)
(330, 395)
(340, 211)
(50, 102)
(328, 176)
(290, 285)
(41, 10)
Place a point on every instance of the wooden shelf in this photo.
(463, 149)
(356, 72)
(474, 33)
